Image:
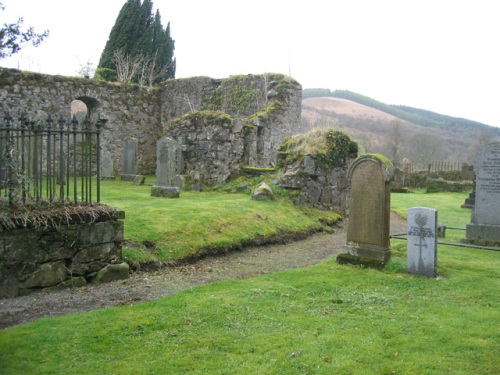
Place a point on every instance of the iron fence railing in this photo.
(49, 159)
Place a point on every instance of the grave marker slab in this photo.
(369, 211)
(107, 172)
(129, 159)
(166, 164)
(422, 241)
(484, 228)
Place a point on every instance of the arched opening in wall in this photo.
(91, 106)
(79, 109)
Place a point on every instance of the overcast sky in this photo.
(439, 55)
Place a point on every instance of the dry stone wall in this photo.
(32, 259)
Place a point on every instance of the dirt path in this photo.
(142, 286)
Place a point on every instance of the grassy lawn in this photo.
(203, 223)
(326, 319)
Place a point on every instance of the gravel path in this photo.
(144, 286)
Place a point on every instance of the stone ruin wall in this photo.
(262, 109)
(314, 185)
(132, 111)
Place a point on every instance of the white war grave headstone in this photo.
(484, 228)
(422, 241)
(369, 212)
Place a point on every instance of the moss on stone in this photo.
(206, 116)
(255, 170)
(359, 261)
(384, 161)
(327, 146)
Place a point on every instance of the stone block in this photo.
(263, 193)
(165, 191)
(48, 274)
(112, 272)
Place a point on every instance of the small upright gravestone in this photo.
(484, 228)
(369, 212)
(166, 152)
(107, 166)
(422, 241)
(129, 159)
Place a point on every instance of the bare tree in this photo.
(396, 140)
(126, 66)
(150, 70)
(425, 148)
(86, 70)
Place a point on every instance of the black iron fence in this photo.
(49, 159)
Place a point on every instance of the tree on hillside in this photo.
(425, 148)
(13, 39)
(138, 36)
(396, 140)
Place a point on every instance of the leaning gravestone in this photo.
(369, 211)
(166, 153)
(484, 228)
(129, 159)
(422, 241)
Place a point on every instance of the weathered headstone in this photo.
(422, 241)
(166, 155)
(484, 228)
(107, 166)
(369, 211)
(129, 159)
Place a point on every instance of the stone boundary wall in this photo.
(32, 259)
(270, 104)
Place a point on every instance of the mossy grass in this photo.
(326, 319)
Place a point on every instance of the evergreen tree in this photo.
(139, 36)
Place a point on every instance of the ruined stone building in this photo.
(224, 124)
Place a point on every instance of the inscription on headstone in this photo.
(422, 241)
(369, 210)
(485, 222)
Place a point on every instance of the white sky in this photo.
(438, 55)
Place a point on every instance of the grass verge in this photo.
(321, 320)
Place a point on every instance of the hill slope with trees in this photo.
(396, 131)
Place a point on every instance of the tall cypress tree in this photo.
(137, 33)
